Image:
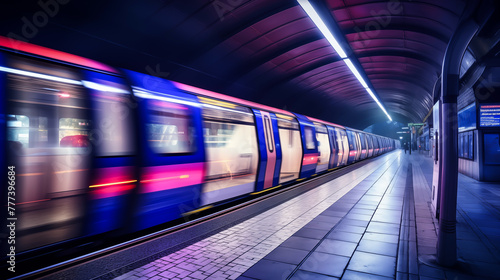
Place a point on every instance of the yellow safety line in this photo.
(197, 210)
(111, 184)
(254, 193)
(67, 171)
(30, 174)
(165, 178)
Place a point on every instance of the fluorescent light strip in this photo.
(149, 94)
(100, 87)
(40, 76)
(378, 102)
(313, 15)
(354, 70)
(308, 8)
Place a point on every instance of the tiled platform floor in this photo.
(372, 223)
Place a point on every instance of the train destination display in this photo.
(489, 115)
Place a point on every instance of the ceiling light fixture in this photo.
(314, 16)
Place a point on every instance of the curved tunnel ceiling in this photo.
(265, 51)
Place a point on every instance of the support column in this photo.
(448, 138)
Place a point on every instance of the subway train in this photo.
(90, 150)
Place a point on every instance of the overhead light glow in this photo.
(354, 70)
(101, 87)
(311, 12)
(148, 94)
(320, 24)
(40, 76)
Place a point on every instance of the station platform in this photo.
(371, 223)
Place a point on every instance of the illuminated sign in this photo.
(467, 118)
(489, 115)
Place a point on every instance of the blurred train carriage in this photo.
(102, 152)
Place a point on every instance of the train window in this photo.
(309, 138)
(370, 142)
(351, 138)
(320, 128)
(74, 132)
(43, 94)
(232, 153)
(114, 120)
(269, 136)
(169, 129)
(18, 127)
(471, 145)
(461, 145)
(362, 140)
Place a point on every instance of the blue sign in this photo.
(467, 118)
(489, 115)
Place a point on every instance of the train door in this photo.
(376, 145)
(370, 145)
(48, 129)
(358, 146)
(309, 147)
(232, 150)
(172, 155)
(115, 173)
(323, 147)
(334, 146)
(364, 146)
(353, 146)
(270, 150)
(344, 143)
(291, 148)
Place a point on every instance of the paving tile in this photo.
(336, 247)
(351, 222)
(356, 275)
(380, 227)
(319, 225)
(365, 206)
(327, 219)
(475, 250)
(339, 206)
(332, 265)
(373, 264)
(386, 219)
(348, 228)
(360, 217)
(307, 275)
(406, 276)
(332, 213)
(362, 211)
(287, 255)
(311, 233)
(389, 238)
(425, 270)
(301, 243)
(344, 236)
(272, 270)
(377, 247)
